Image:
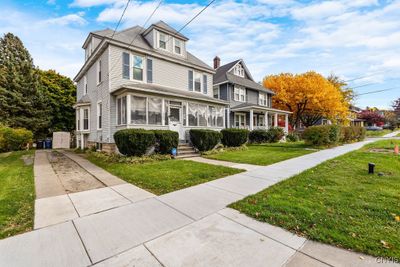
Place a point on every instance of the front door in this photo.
(175, 120)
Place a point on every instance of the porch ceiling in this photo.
(247, 107)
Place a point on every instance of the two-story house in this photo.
(250, 104)
(143, 78)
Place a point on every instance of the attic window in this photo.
(238, 70)
(177, 46)
(163, 41)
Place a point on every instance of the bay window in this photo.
(155, 111)
(138, 68)
(86, 119)
(121, 110)
(99, 115)
(138, 110)
(126, 65)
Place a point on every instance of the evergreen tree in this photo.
(22, 104)
(60, 93)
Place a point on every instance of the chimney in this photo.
(217, 62)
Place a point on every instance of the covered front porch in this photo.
(258, 117)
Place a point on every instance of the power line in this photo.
(183, 27)
(365, 76)
(378, 91)
(134, 38)
(120, 19)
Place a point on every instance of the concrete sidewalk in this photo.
(189, 227)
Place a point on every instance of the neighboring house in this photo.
(143, 78)
(250, 104)
(354, 120)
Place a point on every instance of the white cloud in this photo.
(76, 19)
(93, 3)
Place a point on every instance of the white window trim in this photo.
(83, 119)
(265, 99)
(181, 46)
(242, 92)
(201, 81)
(98, 69)
(218, 90)
(241, 114)
(166, 41)
(85, 85)
(98, 115)
(238, 70)
(144, 68)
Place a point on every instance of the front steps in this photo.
(186, 151)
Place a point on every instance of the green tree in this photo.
(60, 93)
(22, 104)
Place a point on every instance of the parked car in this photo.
(373, 128)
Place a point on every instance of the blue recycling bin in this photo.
(48, 144)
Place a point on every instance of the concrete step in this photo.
(185, 149)
(187, 152)
(191, 155)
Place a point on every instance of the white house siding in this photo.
(165, 73)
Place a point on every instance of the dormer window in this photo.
(238, 70)
(162, 43)
(177, 46)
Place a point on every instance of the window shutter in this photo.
(125, 65)
(149, 70)
(205, 84)
(190, 79)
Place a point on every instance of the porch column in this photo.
(228, 117)
(276, 120)
(77, 141)
(251, 120)
(266, 119)
(82, 143)
(128, 109)
(163, 111)
(286, 123)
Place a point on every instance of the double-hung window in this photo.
(138, 109)
(126, 65)
(162, 42)
(121, 110)
(138, 68)
(262, 99)
(99, 115)
(177, 46)
(86, 119)
(99, 72)
(85, 86)
(216, 92)
(239, 94)
(197, 82)
(238, 70)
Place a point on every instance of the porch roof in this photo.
(166, 91)
(249, 106)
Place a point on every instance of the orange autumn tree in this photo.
(310, 97)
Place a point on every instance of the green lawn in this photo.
(338, 203)
(17, 194)
(377, 133)
(264, 154)
(162, 177)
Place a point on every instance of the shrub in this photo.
(275, 134)
(234, 137)
(352, 134)
(322, 135)
(204, 140)
(134, 142)
(259, 136)
(166, 140)
(292, 137)
(14, 139)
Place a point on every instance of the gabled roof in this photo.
(222, 75)
(248, 106)
(165, 27)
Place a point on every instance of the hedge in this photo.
(166, 140)
(332, 134)
(234, 137)
(134, 142)
(292, 137)
(204, 140)
(259, 136)
(14, 139)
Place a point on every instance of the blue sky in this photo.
(350, 38)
